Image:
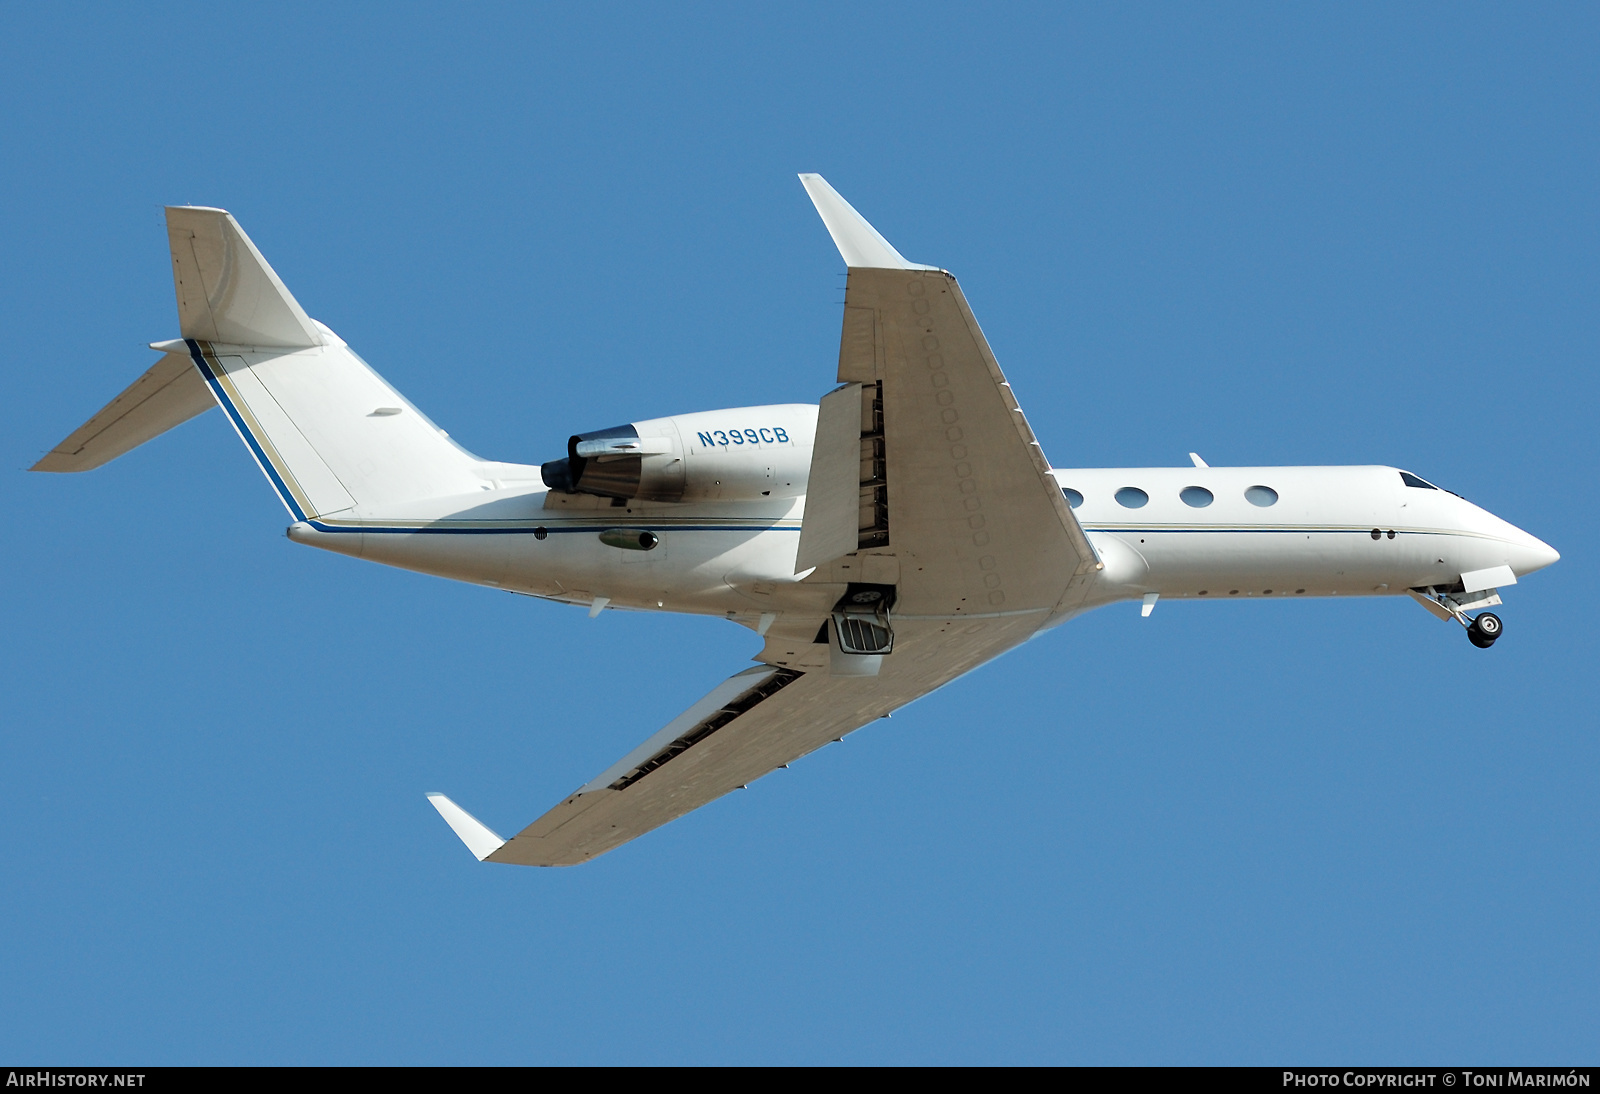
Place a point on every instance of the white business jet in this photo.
(904, 532)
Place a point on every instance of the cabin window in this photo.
(1131, 497)
(1074, 498)
(1411, 480)
(1261, 495)
(1197, 497)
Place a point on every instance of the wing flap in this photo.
(833, 491)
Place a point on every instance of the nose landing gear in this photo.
(1483, 631)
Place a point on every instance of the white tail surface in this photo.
(331, 435)
(226, 290)
(169, 394)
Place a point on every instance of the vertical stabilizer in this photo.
(331, 435)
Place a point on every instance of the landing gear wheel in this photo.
(1484, 630)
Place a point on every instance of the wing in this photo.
(754, 722)
(925, 477)
(924, 454)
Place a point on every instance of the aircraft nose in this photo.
(1531, 554)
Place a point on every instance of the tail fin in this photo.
(329, 433)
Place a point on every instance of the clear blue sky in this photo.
(1297, 831)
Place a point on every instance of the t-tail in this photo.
(336, 441)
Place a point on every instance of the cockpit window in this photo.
(1411, 480)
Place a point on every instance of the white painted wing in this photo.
(967, 504)
(480, 840)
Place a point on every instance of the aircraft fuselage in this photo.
(1178, 532)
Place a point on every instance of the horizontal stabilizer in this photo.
(226, 291)
(169, 394)
(859, 242)
(479, 840)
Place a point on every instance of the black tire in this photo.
(1489, 625)
(1476, 637)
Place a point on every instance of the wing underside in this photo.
(757, 721)
(927, 485)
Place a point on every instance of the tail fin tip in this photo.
(227, 292)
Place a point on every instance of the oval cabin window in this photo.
(1261, 495)
(1074, 498)
(1197, 497)
(1131, 497)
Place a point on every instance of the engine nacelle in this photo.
(744, 454)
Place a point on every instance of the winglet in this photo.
(479, 840)
(859, 242)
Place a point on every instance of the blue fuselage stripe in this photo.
(533, 529)
(244, 430)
